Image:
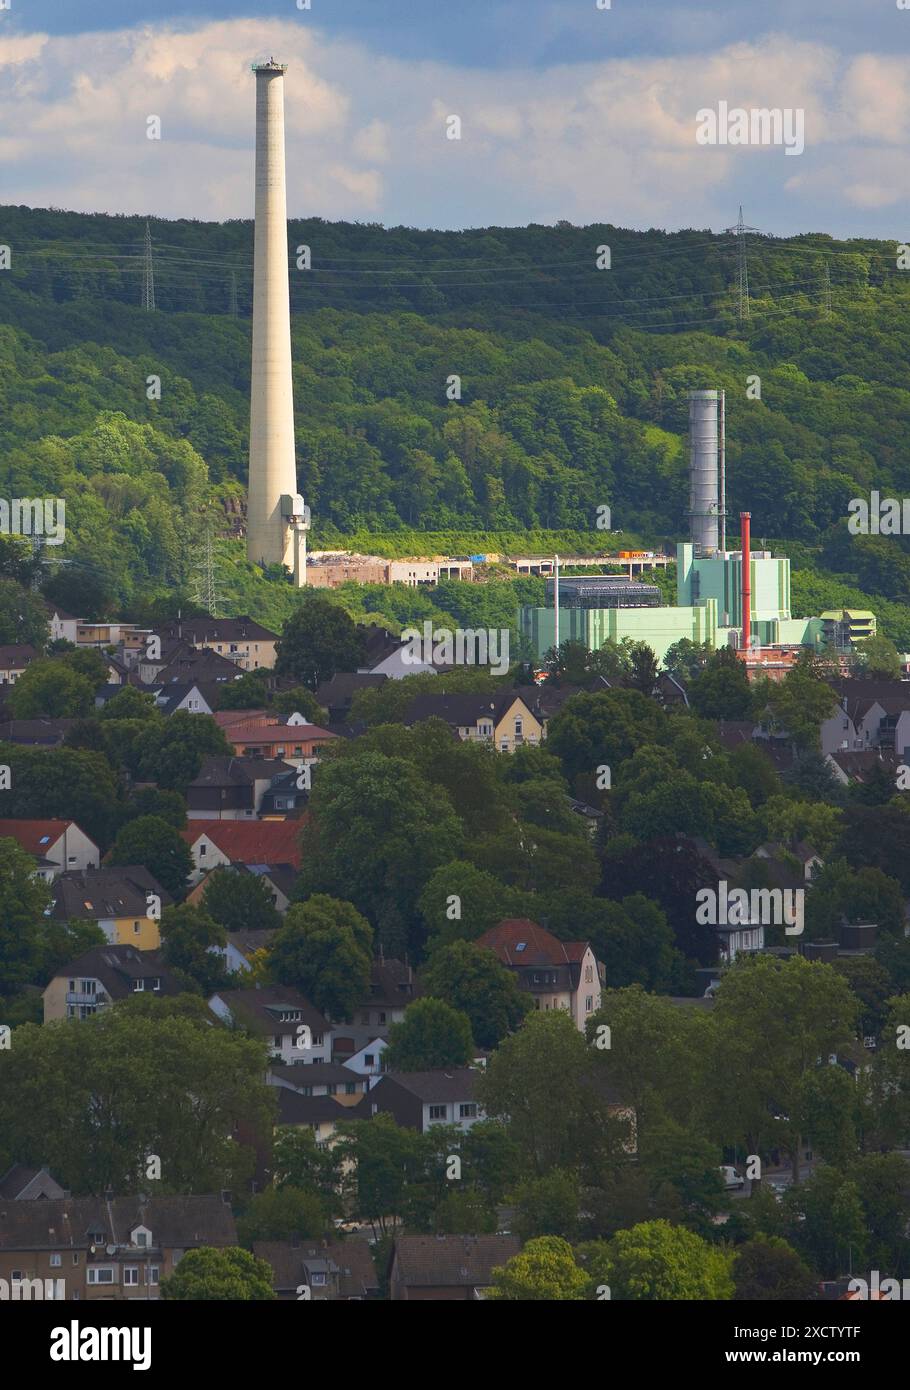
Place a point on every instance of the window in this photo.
(153, 1274)
(156, 982)
(518, 726)
(318, 1280)
(437, 1112)
(101, 1274)
(75, 1257)
(503, 745)
(56, 1261)
(350, 1088)
(370, 1059)
(141, 1238)
(131, 1275)
(277, 1041)
(202, 849)
(72, 986)
(138, 986)
(467, 1111)
(382, 1018)
(589, 1004)
(589, 974)
(136, 928)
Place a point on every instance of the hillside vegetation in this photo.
(573, 392)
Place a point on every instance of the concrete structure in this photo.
(277, 519)
(704, 497)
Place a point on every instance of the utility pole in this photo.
(742, 260)
(148, 272)
(826, 291)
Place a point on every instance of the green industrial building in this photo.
(709, 609)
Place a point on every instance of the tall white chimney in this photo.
(275, 514)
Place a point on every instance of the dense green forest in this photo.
(573, 392)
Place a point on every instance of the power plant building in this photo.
(710, 580)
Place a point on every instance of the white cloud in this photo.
(600, 141)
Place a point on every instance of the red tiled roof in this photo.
(540, 946)
(254, 718)
(31, 833)
(251, 842)
(278, 733)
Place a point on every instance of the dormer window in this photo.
(141, 1237)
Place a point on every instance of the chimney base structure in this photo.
(277, 519)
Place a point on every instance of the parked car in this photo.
(732, 1179)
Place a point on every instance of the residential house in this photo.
(295, 743)
(22, 1184)
(386, 655)
(296, 1032)
(15, 658)
(104, 975)
(62, 626)
(231, 788)
(220, 843)
(240, 946)
(367, 1061)
(194, 696)
(124, 901)
(421, 1099)
(392, 989)
(321, 1079)
(505, 720)
(242, 640)
(132, 640)
(557, 974)
(35, 733)
(435, 1268)
(859, 767)
(334, 1272)
(56, 845)
(321, 1114)
(336, 695)
(187, 665)
(108, 1247)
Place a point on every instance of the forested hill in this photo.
(573, 381)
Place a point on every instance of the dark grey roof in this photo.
(90, 894)
(295, 1109)
(206, 629)
(350, 1260)
(69, 1223)
(118, 966)
(452, 1261)
(437, 1086)
(315, 1074)
(260, 1009)
(225, 770)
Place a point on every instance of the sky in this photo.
(567, 111)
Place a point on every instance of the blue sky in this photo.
(567, 110)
